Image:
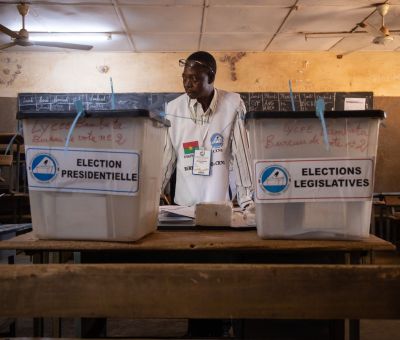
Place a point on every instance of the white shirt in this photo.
(238, 144)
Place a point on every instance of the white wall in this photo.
(159, 72)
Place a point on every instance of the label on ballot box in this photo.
(325, 179)
(98, 181)
(99, 171)
(318, 178)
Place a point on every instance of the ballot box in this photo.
(313, 181)
(105, 184)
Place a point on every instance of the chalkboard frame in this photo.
(155, 102)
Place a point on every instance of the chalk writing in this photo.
(155, 102)
(273, 141)
(255, 102)
(293, 127)
(355, 144)
(89, 136)
(343, 134)
(89, 131)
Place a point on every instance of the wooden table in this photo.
(206, 247)
(8, 231)
(292, 279)
(201, 240)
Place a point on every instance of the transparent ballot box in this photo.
(105, 184)
(310, 181)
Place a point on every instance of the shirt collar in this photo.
(195, 106)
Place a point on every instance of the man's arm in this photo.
(169, 161)
(241, 160)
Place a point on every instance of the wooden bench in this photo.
(204, 274)
(201, 291)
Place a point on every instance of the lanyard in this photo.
(202, 141)
(210, 120)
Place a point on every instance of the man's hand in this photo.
(249, 214)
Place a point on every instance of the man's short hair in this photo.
(205, 58)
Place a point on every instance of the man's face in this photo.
(196, 82)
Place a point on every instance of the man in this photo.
(205, 137)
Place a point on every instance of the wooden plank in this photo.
(392, 201)
(199, 241)
(6, 160)
(200, 291)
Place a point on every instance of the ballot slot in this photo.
(308, 186)
(105, 184)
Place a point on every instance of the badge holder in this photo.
(202, 162)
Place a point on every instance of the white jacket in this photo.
(214, 136)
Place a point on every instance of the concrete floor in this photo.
(370, 329)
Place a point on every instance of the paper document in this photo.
(175, 216)
(354, 104)
(178, 210)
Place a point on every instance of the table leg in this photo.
(89, 327)
(93, 327)
(38, 323)
(372, 229)
(387, 235)
(38, 327)
(55, 257)
(337, 330)
(381, 220)
(354, 329)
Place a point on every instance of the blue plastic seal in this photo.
(80, 110)
(112, 95)
(319, 111)
(291, 95)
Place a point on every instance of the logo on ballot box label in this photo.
(43, 167)
(274, 179)
(97, 171)
(310, 180)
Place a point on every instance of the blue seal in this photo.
(274, 179)
(44, 167)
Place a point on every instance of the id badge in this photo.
(202, 162)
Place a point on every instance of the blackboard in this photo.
(254, 101)
(303, 101)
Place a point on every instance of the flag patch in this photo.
(190, 147)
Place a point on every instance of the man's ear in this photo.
(211, 77)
